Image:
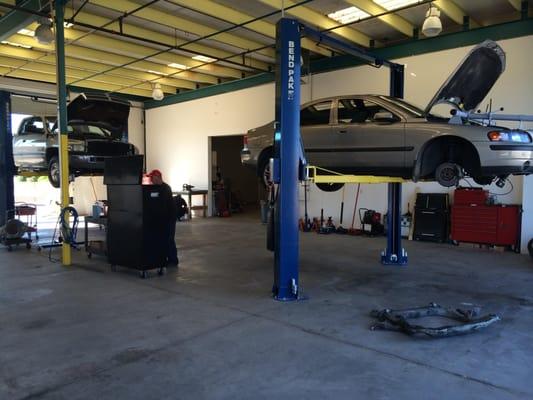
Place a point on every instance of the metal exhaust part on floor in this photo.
(396, 320)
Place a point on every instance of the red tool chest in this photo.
(488, 224)
(470, 196)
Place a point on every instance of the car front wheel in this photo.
(53, 172)
(448, 174)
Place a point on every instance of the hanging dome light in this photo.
(432, 25)
(157, 92)
(44, 33)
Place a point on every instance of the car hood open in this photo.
(102, 110)
(473, 78)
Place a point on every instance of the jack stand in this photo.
(394, 254)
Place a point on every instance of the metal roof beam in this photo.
(17, 19)
(391, 19)
(234, 16)
(41, 77)
(154, 37)
(183, 24)
(91, 66)
(455, 12)
(316, 19)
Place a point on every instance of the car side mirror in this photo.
(384, 117)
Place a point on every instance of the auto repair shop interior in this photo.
(347, 184)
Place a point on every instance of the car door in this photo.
(315, 123)
(29, 147)
(369, 136)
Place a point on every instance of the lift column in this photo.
(287, 151)
(7, 166)
(62, 118)
(395, 254)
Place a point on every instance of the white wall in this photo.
(177, 135)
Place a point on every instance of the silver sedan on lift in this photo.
(387, 136)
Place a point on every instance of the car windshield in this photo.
(86, 130)
(405, 106)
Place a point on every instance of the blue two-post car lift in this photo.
(289, 158)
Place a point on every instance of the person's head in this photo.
(157, 177)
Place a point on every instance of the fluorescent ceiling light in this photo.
(156, 72)
(178, 66)
(394, 4)
(347, 15)
(203, 59)
(26, 32)
(25, 46)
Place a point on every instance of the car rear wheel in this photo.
(448, 174)
(53, 172)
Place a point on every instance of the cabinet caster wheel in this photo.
(89, 255)
(143, 274)
(28, 246)
(161, 271)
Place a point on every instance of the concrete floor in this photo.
(211, 330)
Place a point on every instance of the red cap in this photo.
(155, 172)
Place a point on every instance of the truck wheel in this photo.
(53, 172)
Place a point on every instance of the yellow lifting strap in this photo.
(315, 174)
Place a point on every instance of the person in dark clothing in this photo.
(172, 212)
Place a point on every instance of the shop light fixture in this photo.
(432, 25)
(25, 46)
(157, 92)
(44, 33)
(26, 32)
(347, 15)
(203, 59)
(394, 4)
(151, 71)
(177, 66)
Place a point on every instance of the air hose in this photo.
(69, 232)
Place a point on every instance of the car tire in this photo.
(54, 172)
(483, 180)
(448, 174)
(329, 187)
(264, 174)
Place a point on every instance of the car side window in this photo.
(33, 126)
(316, 114)
(358, 111)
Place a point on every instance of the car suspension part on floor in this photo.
(396, 320)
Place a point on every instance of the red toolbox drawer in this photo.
(496, 225)
(469, 196)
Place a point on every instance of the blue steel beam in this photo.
(7, 166)
(287, 152)
(17, 19)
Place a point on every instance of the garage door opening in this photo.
(236, 188)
